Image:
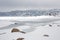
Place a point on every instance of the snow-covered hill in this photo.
(51, 31)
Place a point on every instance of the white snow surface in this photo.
(32, 33)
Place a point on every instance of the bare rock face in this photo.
(16, 30)
(20, 38)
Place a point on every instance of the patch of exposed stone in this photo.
(50, 25)
(46, 35)
(16, 30)
(20, 39)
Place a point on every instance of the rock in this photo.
(58, 25)
(20, 38)
(50, 25)
(16, 30)
(46, 35)
(49, 14)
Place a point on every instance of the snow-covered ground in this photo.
(32, 33)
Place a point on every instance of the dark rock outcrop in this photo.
(16, 30)
(20, 38)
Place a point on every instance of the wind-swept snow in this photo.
(34, 31)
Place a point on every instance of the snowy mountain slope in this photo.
(31, 12)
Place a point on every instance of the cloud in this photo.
(29, 3)
(17, 4)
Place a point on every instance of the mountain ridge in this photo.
(31, 12)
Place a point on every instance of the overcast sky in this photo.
(6, 5)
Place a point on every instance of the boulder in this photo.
(16, 30)
(20, 38)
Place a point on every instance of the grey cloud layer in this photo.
(29, 3)
(22, 4)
